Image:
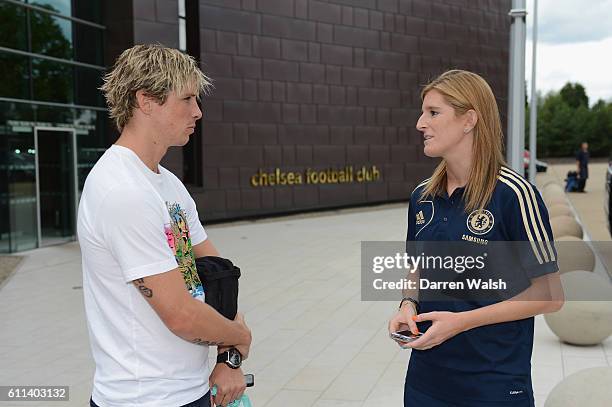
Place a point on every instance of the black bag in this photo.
(572, 182)
(219, 277)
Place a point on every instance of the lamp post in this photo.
(533, 113)
(516, 100)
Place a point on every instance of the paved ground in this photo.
(7, 266)
(589, 207)
(315, 342)
(589, 204)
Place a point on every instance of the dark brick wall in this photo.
(317, 84)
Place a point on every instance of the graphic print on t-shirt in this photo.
(179, 240)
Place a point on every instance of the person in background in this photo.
(582, 164)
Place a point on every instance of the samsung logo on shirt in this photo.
(474, 239)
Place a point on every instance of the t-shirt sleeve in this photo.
(527, 221)
(196, 230)
(133, 224)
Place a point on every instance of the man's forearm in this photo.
(203, 325)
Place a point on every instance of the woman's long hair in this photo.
(465, 90)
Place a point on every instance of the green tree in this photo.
(565, 120)
(574, 95)
(601, 129)
(555, 129)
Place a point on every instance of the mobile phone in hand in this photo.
(249, 379)
(405, 336)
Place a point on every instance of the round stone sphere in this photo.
(544, 180)
(557, 200)
(580, 321)
(552, 191)
(559, 210)
(588, 388)
(565, 226)
(574, 254)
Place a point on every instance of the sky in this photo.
(574, 44)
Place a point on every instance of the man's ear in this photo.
(143, 102)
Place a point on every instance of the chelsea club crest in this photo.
(480, 221)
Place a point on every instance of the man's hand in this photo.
(444, 326)
(403, 320)
(243, 348)
(230, 384)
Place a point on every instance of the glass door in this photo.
(56, 184)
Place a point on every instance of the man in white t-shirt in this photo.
(140, 234)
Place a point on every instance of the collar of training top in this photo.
(515, 202)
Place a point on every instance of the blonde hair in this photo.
(155, 69)
(465, 91)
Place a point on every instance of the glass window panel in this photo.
(18, 229)
(57, 116)
(14, 25)
(58, 6)
(88, 44)
(181, 4)
(51, 35)
(91, 140)
(14, 76)
(89, 10)
(87, 82)
(52, 81)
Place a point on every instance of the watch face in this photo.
(234, 357)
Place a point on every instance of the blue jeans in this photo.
(201, 402)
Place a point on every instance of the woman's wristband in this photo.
(413, 301)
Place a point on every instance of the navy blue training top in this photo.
(491, 363)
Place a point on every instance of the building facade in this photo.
(314, 104)
(52, 118)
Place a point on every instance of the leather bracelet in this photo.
(413, 301)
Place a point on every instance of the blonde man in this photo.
(139, 233)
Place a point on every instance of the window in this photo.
(50, 55)
(182, 26)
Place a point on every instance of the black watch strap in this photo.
(222, 357)
(414, 302)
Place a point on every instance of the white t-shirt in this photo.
(134, 223)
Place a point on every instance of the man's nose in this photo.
(197, 112)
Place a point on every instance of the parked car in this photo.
(608, 196)
(541, 166)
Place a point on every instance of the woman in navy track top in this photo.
(473, 352)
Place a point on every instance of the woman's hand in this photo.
(444, 325)
(402, 320)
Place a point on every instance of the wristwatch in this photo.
(413, 301)
(230, 357)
